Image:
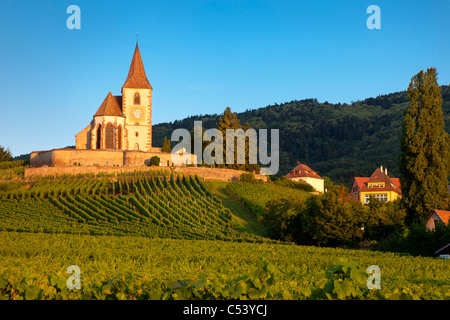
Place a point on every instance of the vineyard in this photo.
(34, 267)
(255, 196)
(158, 237)
(155, 207)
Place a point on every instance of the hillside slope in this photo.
(338, 140)
(150, 206)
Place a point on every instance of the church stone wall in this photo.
(39, 159)
(82, 140)
(205, 173)
(71, 157)
(86, 158)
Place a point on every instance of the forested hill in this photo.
(340, 141)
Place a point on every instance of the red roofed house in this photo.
(304, 173)
(436, 217)
(378, 185)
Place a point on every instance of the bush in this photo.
(329, 220)
(154, 161)
(417, 241)
(9, 186)
(14, 164)
(384, 219)
(300, 185)
(247, 177)
(277, 217)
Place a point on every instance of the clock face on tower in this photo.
(137, 113)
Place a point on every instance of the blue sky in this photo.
(201, 56)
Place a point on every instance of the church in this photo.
(120, 132)
(123, 122)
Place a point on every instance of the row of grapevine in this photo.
(211, 269)
(153, 206)
(49, 188)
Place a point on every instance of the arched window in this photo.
(109, 135)
(136, 147)
(119, 138)
(99, 137)
(137, 98)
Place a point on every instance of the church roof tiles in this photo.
(302, 170)
(136, 75)
(110, 107)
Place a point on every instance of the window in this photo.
(137, 134)
(99, 137)
(109, 135)
(137, 98)
(382, 197)
(376, 185)
(119, 138)
(136, 147)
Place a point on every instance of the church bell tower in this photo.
(137, 106)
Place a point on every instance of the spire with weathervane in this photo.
(136, 75)
(137, 106)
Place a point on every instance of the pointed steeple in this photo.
(109, 107)
(136, 76)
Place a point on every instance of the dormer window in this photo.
(137, 98)
(376, 185)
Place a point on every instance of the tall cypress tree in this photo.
(229, 120)
(424, 150)
(166, 146)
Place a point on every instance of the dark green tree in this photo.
(277, 217)
(5, 154)
(383, 219)
(229, 120)
(424, 151)
(329, 220)
(166, 146)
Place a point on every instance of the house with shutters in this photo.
(378, 185)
